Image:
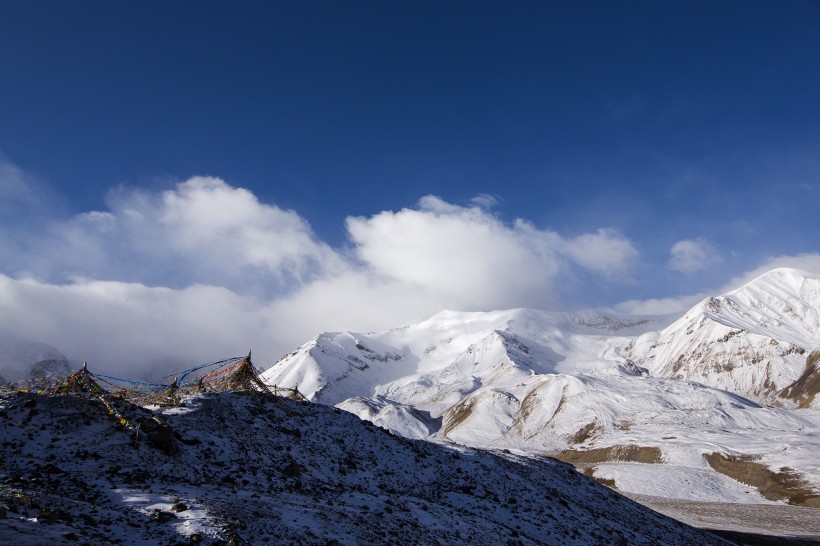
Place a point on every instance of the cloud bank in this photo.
(467, 258)
(203, 231)
(204, 270)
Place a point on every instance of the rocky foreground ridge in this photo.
(247, 468)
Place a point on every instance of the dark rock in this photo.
(162, 516)
(179, 507)
(292, 470)
(48, 515)
(159, 434)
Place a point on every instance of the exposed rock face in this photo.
(783, 485)
(804, 390)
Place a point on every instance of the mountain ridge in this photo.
(751, 341)
(563, 383)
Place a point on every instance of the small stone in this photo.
(179, 507)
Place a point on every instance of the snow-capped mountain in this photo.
(755, 341)
(593, 388)
(241, 468)
(21, 358)
(454, 352)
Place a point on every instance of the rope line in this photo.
(145, 383)
(188, 372)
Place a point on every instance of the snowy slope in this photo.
(592, 387)
(753, 341)
(253, 470)
(455, 349)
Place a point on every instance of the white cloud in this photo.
(485, 201)
(142, 331)
(606, 252)
(352, 301)
(130, 327)
(206, 219)
(202, 231)
(14, 188)
(660, 306)
(204, 270)
(468, 258)
(692, 255)
(23, 195)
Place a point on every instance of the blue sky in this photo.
(611, 152)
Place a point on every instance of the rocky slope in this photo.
(249, 469)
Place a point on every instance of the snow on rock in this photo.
(252, 469)
(455, 351)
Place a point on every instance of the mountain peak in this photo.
(786, 275)
(751, 340)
